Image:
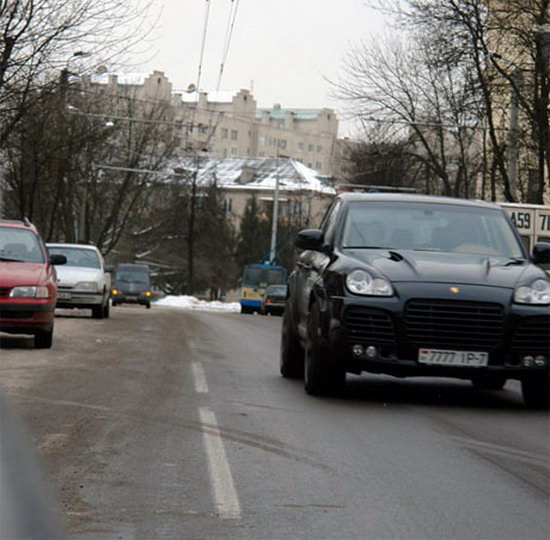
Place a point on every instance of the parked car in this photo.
(82, 282)
(132, 285)
(274, 299)
(28, 290)
(411, 285)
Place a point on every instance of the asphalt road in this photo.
(168, 424)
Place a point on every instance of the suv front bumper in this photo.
(432, 317)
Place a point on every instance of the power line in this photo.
(203, 44)
(229, 33)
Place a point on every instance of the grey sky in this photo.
(281, 49)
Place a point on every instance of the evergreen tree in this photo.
(254, 236)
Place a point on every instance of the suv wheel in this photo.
(43, 339)
(292, 353)
(320, 377)
(106, 310)
(536, 392)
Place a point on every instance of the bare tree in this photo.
(38, 38)
(81, 165)
(397, 82)
(507, 45)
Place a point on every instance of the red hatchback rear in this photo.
(28, 290)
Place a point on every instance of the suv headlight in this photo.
(536, 293)
(30, 291)
(87, 286)
(361, 282)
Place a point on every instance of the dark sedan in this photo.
(273, 302)
(411, 285)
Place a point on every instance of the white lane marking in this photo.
(199, 378)
(225, 495)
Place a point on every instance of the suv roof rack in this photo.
(27, 221)
(366, 188)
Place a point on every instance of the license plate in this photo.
(440, 357)
(64, 296)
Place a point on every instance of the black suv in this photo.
(412, 285)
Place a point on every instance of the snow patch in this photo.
(192, 303)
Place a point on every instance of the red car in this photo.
(28, 290)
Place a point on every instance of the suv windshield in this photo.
(19, 245)
(86, 258)
(430, 227)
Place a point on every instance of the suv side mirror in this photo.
(541, 253)
(57, 258)
(109, 268)
(313, 239)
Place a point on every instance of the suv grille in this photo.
(533, 335)
(454, 324)
(368, 325)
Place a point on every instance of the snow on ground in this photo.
(190, 302)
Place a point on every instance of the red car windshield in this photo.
(19, 245)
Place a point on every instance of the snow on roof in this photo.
(218, 96)
(255, 173)
(278, 113)
(122, 78)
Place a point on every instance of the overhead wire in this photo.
(203, 43)
(228, 35)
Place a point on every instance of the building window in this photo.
(234, 150)
(318, 165)
(225, 152)
(261, 154)
(263, 140)
(227, 205)
(234, 134)
(310, 148)
(282, 143)
(224, 133)
(301, 145)
(319, 148)
(297, 208)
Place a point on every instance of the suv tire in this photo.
(536, 392)
(292, 353)
(320, 377)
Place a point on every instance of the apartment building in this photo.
(230, 124)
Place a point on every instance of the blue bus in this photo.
(254, 281)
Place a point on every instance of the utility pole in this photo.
(273, 250)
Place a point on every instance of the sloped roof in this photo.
(255, 173)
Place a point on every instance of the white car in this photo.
(83, 281)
